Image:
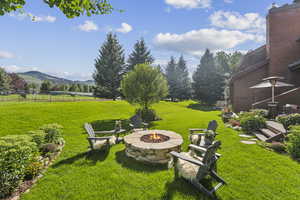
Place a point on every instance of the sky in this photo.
(67, 48)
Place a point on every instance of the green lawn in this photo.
(251, 171)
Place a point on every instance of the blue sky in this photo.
(68, 47)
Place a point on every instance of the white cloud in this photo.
(251, 22)
(195, 42)
(88, 26)
(33, 18)
(17, 69)
(189, 4)
(228, 1)
(6, 54)
(125, 28)
(72, 75)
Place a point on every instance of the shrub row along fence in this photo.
(23, 157)
(47, 98)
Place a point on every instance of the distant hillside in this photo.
(38, 77)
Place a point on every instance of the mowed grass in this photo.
(251, 171)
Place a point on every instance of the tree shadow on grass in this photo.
(91, 158)
(131, 163)
(183, 186)
(109, 124)
(202, 107)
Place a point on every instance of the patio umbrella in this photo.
(272, 82)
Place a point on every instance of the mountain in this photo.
(38, 77)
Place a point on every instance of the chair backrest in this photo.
(209, 157)
(89, 129)
(212, 125)
(136, 121)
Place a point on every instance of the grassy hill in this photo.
(38, 77)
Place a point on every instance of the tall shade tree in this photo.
(145, 85)
(71, 8)
(208, 83)
(183, 80)
(140, 55)
(110, 67)
(45, 87)
(222, 62)
(17, 83)
(4, 81)
(171, 74)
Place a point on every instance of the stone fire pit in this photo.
(152, 146)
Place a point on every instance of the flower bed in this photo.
(24, 157)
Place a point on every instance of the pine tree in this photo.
(222, 62)
(110, 67)
(4, 81)
(208, 83)
(183, 81)
(139, 55)
(171, 75)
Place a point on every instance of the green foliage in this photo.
(293, 142)
(144, 86)
(38, 137)
(289, 120)
(139, 55)
(261, 112)
(227, 62)
(110, 67)
(184, 88)
(33, 170)
(49, 148)
(208, 83)
(45, 87)
(147, 115)
(71, 9)
(171, 75)
(16, 154)
(250, 123)
(4, 81)
(53, 133)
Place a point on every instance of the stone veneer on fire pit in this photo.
(151, 152)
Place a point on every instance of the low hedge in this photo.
(20, 156)
(250, 123)
(289, 120)
(293, 142)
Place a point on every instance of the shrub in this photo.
(53, 133)
(289, 120)
(38, 137)
(293, 142)
(278, 147)
(16, 154)
(33, 169)
(147, 115)
(261, 112)
(49, 148)
(250, 123)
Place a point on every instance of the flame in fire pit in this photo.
(154, 136)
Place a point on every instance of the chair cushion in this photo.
(101, 143)
(186, 169)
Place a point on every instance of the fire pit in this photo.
(152, 146)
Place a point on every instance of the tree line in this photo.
(206, 83)
(12, 83)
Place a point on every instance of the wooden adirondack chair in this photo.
(105, 142)
(137, 124)
(195, 168)
(204, 137)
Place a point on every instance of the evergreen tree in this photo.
(171, 75)
(208, 83)
(4, 81)
(139, 55)
(110, 66)
(45, 87)
(183, 81)
(74, 88)
(222, 62)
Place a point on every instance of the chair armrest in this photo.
(104, 132)
(131, 125)
(199, 134)
(182, 157)
(218, 155)
(145, 124)
(120, 131)
(197, 148)
(99, 138)
(192, 130)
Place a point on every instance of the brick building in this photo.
(279, 57)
